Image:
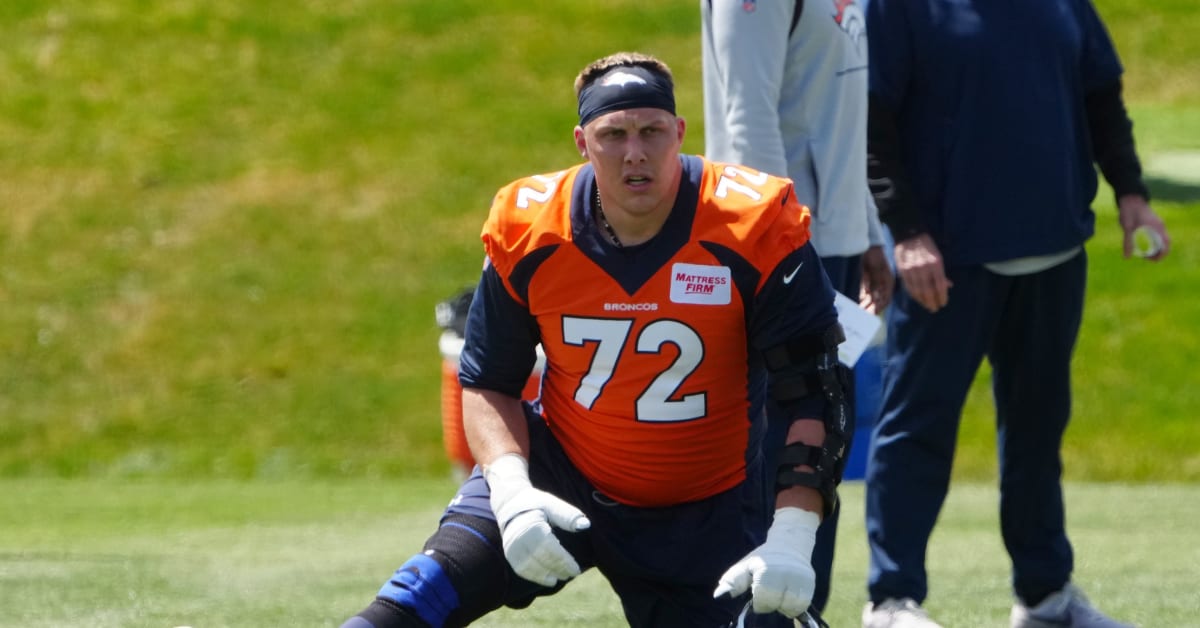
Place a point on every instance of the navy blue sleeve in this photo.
(1108, 122)
(500, 349)
(1113, 146)
(886, 174)
(796, 302)
(1101, 66)
(890, 54)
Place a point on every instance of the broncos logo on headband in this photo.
(622, 79)
(626, 87)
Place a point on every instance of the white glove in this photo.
(779, 572)
(525, 514)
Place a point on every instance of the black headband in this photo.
(625, 87)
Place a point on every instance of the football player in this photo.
(670, 295)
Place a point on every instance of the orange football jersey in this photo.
(648, 349)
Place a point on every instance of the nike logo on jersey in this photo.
(792, 275)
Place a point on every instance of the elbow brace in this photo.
(803, 369)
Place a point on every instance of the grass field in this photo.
(155, 554)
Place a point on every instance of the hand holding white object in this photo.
(525, 515)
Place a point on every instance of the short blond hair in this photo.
(599, 67)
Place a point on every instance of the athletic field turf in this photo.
(159, 554)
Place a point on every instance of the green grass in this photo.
(215, 554)
(224, 226)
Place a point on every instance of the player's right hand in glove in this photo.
(778, 573)
(525, 515)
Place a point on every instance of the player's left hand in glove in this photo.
(778, 573)
(525, 515)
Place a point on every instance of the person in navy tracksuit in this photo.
(986, 120)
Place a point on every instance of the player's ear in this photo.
(581, 142)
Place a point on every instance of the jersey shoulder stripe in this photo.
(759, 214)
(528, 214)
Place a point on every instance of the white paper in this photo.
(860, 327)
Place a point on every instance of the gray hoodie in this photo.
(790, 98)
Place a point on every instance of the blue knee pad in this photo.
(422, 585)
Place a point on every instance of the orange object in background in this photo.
(453, 438)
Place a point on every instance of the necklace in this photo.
(612, 235)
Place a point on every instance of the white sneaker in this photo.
(893, 613)
(1069, 608)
